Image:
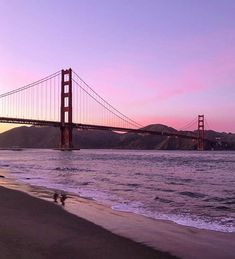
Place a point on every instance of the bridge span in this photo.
(65, 101)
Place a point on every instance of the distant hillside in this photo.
(49, 137)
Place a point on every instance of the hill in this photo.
(49, 137)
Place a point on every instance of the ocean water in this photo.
(190, 188)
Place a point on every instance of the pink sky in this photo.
(156, 61)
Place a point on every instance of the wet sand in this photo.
(182, 241)
(76, 237)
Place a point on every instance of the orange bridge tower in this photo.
(201, 132)
(66, 124)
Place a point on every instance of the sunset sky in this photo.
(157, 61)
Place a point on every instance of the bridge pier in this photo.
(66, 141)
(66, 129)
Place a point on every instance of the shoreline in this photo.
(34, 228)
(162, 235)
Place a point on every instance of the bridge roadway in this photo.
(95, 127)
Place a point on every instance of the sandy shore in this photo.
(42, 229)
(182, 241)
(34, 228)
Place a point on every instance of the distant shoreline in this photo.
(49, 137)
(78, 149)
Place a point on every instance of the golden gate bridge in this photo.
(66, 101)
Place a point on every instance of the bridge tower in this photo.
(66, 129)
(201, 132)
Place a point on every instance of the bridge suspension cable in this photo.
(30, 85)
(41, 100)
(207, 125)
(189, 125)
(92, 103)
(33, 101)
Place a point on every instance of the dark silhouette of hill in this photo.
(49, 137)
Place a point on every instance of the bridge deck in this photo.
(95, 127)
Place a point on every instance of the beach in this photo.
(33, 227)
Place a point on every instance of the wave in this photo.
(73, 169)
(225, 200)
(166, 190)
(162, 200)
(226, 225)
(133, 184)
(222, 208)
(193, 194)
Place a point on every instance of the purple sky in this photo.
(156, 61)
